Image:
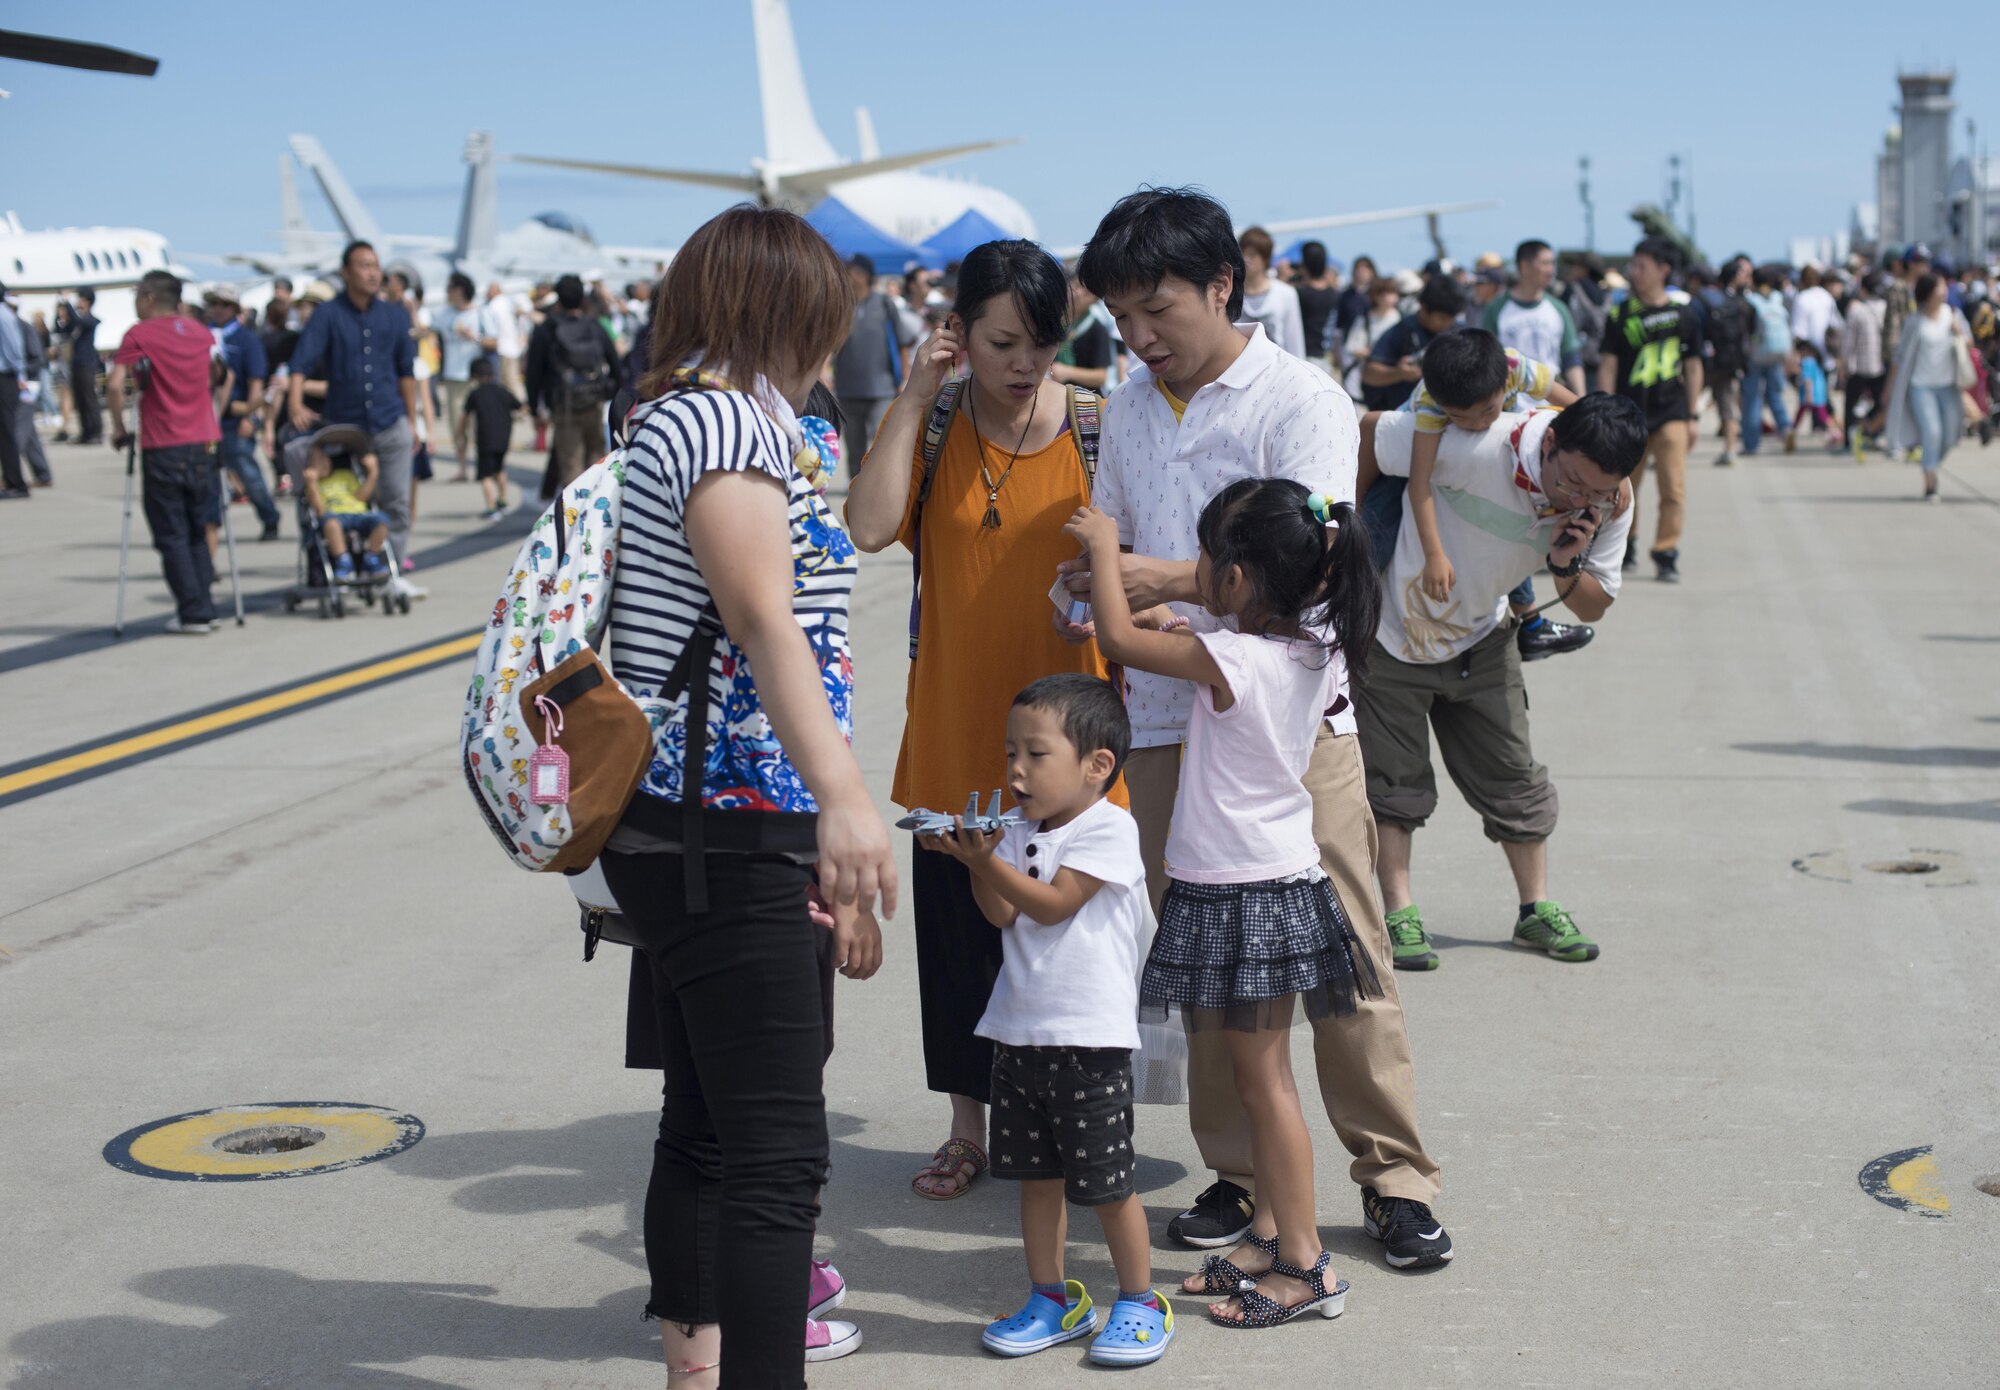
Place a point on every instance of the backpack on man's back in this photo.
(582, 361)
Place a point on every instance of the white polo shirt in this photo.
(1270, 415)
(1496, 524)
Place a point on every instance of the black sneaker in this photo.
(1220, 1216)
(270, 532)
(1631, 561)
(1548, 638)
(1415, 1239)
(1667, 566)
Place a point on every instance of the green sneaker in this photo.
(1551, 930)
(1410, 943)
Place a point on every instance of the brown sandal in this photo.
(949, 1162)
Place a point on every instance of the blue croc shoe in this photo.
(1135, 1333)
(1041, 1325)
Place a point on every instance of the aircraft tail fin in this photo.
(864, 129)
(479, 214)
(972, 807)
(993, 807)
(355, 219)
(792, 137)
(295, 234)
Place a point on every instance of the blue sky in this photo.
(1779, 110)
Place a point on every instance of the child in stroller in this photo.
(341, 474)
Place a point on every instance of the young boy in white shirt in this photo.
(1067, 886)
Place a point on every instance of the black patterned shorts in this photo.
(1064, 1112)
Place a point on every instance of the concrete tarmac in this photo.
(1651, 1162)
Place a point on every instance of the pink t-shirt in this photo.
(1243, 814)
(177, 407)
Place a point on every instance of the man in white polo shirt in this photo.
(1211, 404)
(1542, 489)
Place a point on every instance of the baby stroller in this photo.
(317, 582)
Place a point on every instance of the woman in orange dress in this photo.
(988, 536)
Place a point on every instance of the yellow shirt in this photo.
(1175, 403)
(985, 632)
(340, 490)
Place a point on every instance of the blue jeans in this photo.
(1761, 380)
(1382, 520)
(1938, 417)
(239, 456)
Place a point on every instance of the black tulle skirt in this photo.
(1252, 955)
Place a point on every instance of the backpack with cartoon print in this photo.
(552, 747)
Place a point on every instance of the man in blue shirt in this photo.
(243, 353)
(13, 483)
(362, 346)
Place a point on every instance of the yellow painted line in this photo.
(235, 714)
(1917, 1181)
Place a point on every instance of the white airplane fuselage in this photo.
(37, 267)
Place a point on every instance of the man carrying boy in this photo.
(1066, 886)
(1212, 404)
(492, 408)
(341, 475)
(1532, 491)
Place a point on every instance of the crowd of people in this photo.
(1169, 596)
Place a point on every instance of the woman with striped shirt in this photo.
(729, 626)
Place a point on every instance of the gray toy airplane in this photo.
(927, 822)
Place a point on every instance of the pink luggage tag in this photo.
(548, 766)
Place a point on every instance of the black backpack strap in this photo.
(690, 673)
(937, 428)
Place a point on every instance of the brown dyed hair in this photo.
(1256, 241)
(757, 292)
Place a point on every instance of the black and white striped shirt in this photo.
(658, 594)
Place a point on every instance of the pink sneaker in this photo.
(409, 565)
(829, 1341)
(827, 1291)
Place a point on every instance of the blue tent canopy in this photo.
(851, 234)
(1297, 249)
(972, 229)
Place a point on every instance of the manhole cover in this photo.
(284, 1139)
(1903, 866)
(1934, 868)
(270, 1139)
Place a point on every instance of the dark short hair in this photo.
(461, 282)
(1368, 261)
(1464, 368)
(1312, 259)
(569, 292)
(1609, 430)
(1441, 295)
(1765, 277)
(1158, 232)
(285, 281)
(863, 263)
(347, 251)
(1024, 270)
(1530, 249)
(161, 287)
(1658, 248)
(87, 295)
(482, 368)
(1926, 286)
(1092, 715)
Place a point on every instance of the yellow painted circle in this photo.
(186, 1146)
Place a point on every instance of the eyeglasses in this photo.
(1564, 480)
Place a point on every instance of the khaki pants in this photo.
(1365, 1075)
(579, 440)
(1667, 451)
(455, 395)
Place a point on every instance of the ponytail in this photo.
(1306, 558)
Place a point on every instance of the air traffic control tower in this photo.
(1925, 158)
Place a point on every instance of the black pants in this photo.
(742, 1151)
(11, 476)
(89, 419)
(175, 484)
(1859, 389)
(958, 959)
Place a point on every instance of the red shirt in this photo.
(177, 407)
